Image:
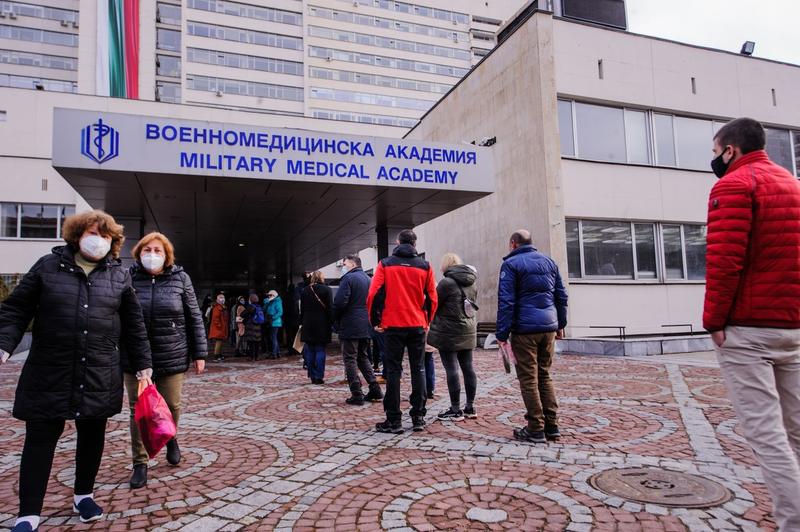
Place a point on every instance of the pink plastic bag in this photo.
(152, 416)
(507, 356)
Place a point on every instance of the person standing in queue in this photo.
(352, 324)
(273, 312)
(402, 302)
(177, 337)
(454, 332)
(218, 324)
(83, 308)
(316, 316)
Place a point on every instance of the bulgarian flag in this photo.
(117, 71)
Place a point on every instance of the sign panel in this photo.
(132, 143)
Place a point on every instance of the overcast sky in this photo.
(723, 24)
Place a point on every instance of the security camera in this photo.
(487, 141)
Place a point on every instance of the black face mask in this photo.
(718, 166)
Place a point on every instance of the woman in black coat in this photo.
(177, 337)
(454, 333)
(83, 309)
(316, 316)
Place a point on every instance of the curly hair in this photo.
(77, 224)
(169, 249)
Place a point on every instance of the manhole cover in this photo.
(657, 486)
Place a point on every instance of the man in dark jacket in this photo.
(402, 301)
(351, 321)
(752, 303)
(532, 307)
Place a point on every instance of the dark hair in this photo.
(521, 237)
(744, 133)
(407, 236)
(355, 258)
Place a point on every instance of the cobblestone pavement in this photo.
(264, 449)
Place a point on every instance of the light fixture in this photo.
(485, 141)
(748, 47)
(241, 244)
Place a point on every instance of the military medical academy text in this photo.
(310, 145)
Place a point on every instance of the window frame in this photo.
(61, 208)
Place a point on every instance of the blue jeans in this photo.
(430, 372)
(273, 332)
(315, 360)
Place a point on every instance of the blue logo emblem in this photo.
(99, 142)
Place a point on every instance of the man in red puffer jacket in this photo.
(752, 303)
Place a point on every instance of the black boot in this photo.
(173, 452)
(139, 476)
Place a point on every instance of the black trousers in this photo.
(398, 340)
(41, 438)
(452, 360)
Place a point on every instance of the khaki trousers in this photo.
(761, 368)
(534, 354)
(169, 386)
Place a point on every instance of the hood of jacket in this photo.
(462, 274)
(405, 251)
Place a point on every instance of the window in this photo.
(694, 140)
(665, 140)
(607, 250)
(370, 99)
(168, 40)
(18, 33)
(29, 10)
(168, 92)
(381, 81)
(30, 220)
(617, 250)
(573, 249)
(646, 265)
(601, 132)
(261, 38)
(796, 142)
(15, 57)
(384, 42)
(248, 11)
(636, 138)
(407, 27)
(249, 62)
(779, 147)
(673, 251)
(244, 88)
(383, 61)
(404, 7)
(8, 220)
(168, 14)
(26, 82)
(565, 127)
(363, 118)
(169, 66)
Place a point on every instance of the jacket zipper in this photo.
(152, 300)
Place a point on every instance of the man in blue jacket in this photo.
(532, 309)
(351, 319)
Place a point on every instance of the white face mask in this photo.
(221, 300)
(95, 247)
(152, 262)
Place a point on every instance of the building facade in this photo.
(603, 145)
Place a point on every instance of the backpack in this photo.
(258, 314)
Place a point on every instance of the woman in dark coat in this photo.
(83, 309)
(454, 333)
(316, 316)
(252, 326)
(177, 337)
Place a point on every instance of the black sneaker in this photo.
(523, 434)
(418, 423)
(552, 433)
(139, 476)
(88, 510)
(355, 400)
(469, 412)
(389, 427)
(374, 395)
(451, 415)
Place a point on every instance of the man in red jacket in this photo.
(752, 303)
(402, 301)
